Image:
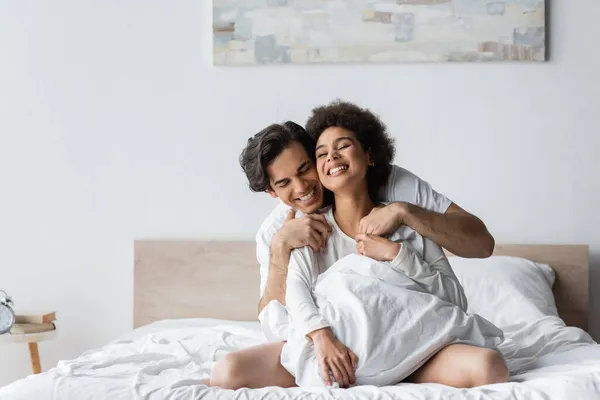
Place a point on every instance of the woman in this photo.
(393, 301)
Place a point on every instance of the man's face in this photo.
(295, 181)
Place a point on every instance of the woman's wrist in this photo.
(393, 251)
(320, 334)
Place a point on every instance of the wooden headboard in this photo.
(220, 279)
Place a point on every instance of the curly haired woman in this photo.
(367, 309)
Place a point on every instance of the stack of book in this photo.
(34, 322)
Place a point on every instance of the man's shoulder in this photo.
(404, 185)
(327, 212)
(401, 183)
(274, 221)
(400, 174)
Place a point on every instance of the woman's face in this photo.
(341, 161)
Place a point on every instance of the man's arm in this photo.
(458, 231)
(276, 282)
(310, 230)
(431, 214)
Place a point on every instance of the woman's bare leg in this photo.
(254, 367)
(463, 366)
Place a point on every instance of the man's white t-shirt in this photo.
(402, 185)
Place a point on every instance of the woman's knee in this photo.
(228, 373)
(488, 368)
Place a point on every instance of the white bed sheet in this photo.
(165, 360)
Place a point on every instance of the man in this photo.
(280, 161)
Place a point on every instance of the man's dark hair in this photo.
(370, 132)
(266, 146)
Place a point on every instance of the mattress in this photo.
(167, 359)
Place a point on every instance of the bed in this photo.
(196, 301)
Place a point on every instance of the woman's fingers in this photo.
(340, 363)
(325, 372)
(346, 365)
(350, 369)
(337, 373)
(354, 359)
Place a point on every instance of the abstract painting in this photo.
(260, 32)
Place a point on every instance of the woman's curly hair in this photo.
(370, 132)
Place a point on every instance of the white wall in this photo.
(115, 126)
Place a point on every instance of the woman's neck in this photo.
(350, 208)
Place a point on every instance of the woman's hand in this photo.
(376, 247)
(334, 357)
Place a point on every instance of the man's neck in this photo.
(350, 208)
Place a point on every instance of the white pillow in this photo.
(506, 290)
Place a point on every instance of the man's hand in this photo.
(376, 247)
(383, 220)
(334, 358)
(311, 230)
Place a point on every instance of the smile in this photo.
(337, 170)
(308, 196)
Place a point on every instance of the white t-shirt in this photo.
(402, 185)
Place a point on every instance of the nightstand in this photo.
(32, 339)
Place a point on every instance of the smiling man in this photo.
(280, 160)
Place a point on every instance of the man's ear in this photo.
(272, 193)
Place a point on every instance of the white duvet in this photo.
(388, 320)
(167, 360)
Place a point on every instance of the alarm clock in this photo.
(7, 315)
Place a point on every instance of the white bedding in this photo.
(166, 360)
(384, 312)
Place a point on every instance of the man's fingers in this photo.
(314, 243)
(360, 237)
(365, 226)
(291, 215)
(324, 237)
(320, 226)
(361, 225)
(321, 229)
(317, 238)
(320, 218)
